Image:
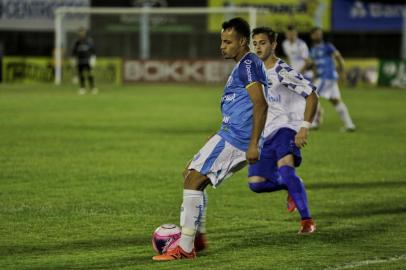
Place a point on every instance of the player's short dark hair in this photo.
(314, 29)
(271, 34)
(239, 25)
(291, 27)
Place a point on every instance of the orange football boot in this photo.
(176, 253)
(307, 226)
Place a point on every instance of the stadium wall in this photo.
(41, 69)
(116, 71)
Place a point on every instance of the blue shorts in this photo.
(280, 145)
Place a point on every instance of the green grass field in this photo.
(84, 181)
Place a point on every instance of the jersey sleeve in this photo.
(294, 81)
(250, 70)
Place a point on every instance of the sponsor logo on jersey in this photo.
(248, 68)
(228, 98)
(226, 119)
(274, 99)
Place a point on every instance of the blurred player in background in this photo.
(292, 104)
(85, 59)
(296, 50)
(244, 110)
(324, 57)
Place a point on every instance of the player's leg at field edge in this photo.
(90, 78)
(342, 111)
(294, 185)
(192, 207)
(81, 76)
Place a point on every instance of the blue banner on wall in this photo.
(357, 15)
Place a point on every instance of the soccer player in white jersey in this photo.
(296, 50)
(292, 104)
(244, 110)
(324, 57)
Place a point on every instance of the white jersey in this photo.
(287, 90)
(296, 52)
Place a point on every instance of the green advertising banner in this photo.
(392, 72)
(107, 70)
(361, 71)
(278, 14)
(41, 69)
(27, 69)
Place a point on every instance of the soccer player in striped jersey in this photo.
(324, 57)
(292, 104)
(244, 110)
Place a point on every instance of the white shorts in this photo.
(218, 160)
(327, 89)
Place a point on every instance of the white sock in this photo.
(344, 115)
(190, 215)
(202, 226)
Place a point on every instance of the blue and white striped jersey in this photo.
(286, 98)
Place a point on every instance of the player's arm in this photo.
(73, 60)
(285, 50)
(307, 65)
(260, 109)
(92, 60)
(309, 113)
(339, 62)
(295, 82)
(304, 50)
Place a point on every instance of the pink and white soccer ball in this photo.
(165, 237)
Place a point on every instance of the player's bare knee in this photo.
(286, 161)
(185, 173)
(255, 183)
(256, 179)
(195, 181)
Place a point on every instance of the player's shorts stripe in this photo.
(213, 156)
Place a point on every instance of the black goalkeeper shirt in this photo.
(83, 50)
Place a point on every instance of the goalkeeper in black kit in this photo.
(85, 59)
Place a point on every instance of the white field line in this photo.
(367, 262)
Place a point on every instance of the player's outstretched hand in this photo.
(301, 137)
(252, 154)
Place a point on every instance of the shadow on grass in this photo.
(363, 185)
(74, 246)
(340, 227)
(369, 210)
(112, 263)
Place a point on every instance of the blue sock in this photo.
(296, 189)
(267, 186)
